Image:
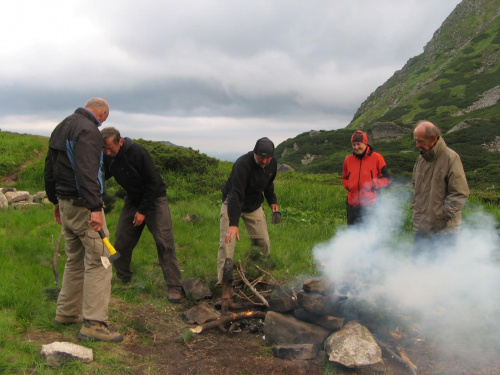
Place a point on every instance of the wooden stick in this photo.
(404, 355)
(394, 355)
(272, 278)
(227, 285)
(240, 293)
(257, 294)
(223, 320)
(56, 256)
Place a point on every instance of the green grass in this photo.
(13, 150)
(312, 207)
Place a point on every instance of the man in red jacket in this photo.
(364, 173)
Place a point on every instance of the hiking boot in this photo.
(124, 280)
(174, 295)
(94, 330)
(68, 320)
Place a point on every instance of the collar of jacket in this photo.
(85, 112)
(368, 151)
(435, 151)
(127, 142)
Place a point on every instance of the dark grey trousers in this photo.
(159, 223)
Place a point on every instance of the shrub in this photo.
(177, 159)
(395, 113)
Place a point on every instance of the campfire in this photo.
(306, 321)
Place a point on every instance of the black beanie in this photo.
(264, 147)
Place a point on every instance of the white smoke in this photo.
(452, 300)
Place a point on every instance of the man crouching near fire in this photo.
(440, 191)
(250, 182)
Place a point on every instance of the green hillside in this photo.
(456, 78)
(454, 83)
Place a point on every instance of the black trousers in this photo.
(354, 214)
(159, 223)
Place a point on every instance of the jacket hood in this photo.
(127, 142)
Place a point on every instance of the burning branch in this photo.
(403, 359)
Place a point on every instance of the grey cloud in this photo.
(272, 62)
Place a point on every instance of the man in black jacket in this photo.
(251, 180)
(145, 205)
(74, 183)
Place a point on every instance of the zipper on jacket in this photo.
(359, 182)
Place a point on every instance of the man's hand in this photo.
(57, 214)
(96, 220)
(231, 232)
(138, 219)
(274, 207)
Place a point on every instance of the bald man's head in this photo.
(426, 135)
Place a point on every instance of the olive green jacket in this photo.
(440, 191)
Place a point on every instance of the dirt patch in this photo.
(153, 345)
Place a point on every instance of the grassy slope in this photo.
(313, 210)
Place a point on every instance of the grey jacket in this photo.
(440, 191)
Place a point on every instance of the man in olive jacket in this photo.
(440, 190)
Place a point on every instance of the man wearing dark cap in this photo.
(250, 181)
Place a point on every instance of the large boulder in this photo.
(387, 131)
(330, 323)
(285, 329)
(355, 347)
(319, 304)
(17, 196)
(321, 286)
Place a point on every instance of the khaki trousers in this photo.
(86, 285)
(255, 222)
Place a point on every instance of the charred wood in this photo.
(223, 320)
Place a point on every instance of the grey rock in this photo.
(39, 197)
(285, 168)
(285, 329)
(355, 347)
(59, 353)
(16, 196)
(191, 218)
(308, 159)
(330, 323)
(4, 203)
(282, 304)
(319, 304)
(321, 286)
(196, 288)
(200, 314)
(295, 351)
(387, 131)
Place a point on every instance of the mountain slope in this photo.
(455, 83)
(447, 82)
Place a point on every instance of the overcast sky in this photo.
(212, 75)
